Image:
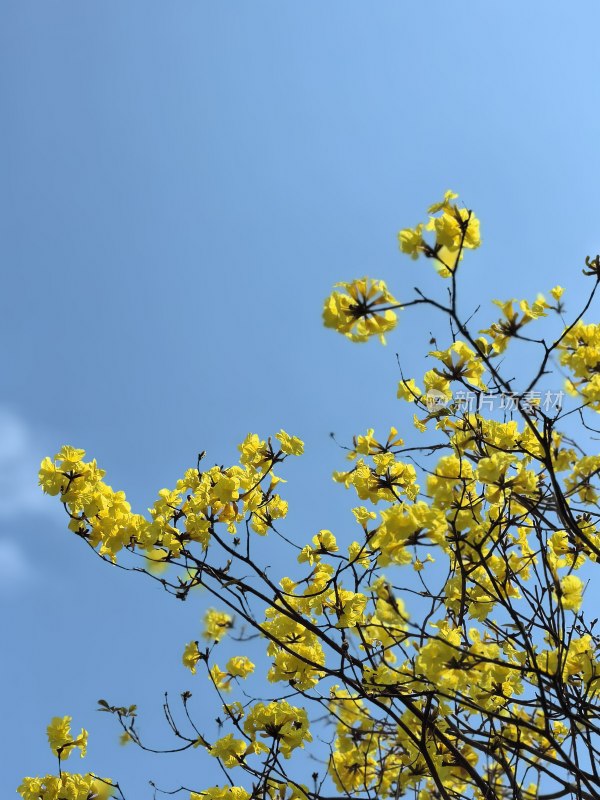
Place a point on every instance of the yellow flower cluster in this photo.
(386, 478)
(497, 470)
(454, 229)
(61, 740)
(224, 793)
(323, 543)
(365, 756)
(295, 649)
(579, 352)
(236, 667)
(185, 514)
(365, 308)
(216, 624)
(281, 722)
(579, 659)
(459, 363)
(66, 786)
(512, 320)
(505, 504)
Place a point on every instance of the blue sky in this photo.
(181, 184)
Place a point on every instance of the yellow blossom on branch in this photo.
(364, 309)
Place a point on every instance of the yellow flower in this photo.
(352, 770)
(229, 750)
(408, 390)
(419, 424)
(253, 450)
(279, 720)
(365, 309)
(571, 589)
(221, 680)
(70, 457)
(216, 624)
(445, 204)
(68, 786)
(61, 740)
(410, 241)
(358, 554)
(291, 445)
(191, 656)
(226, 489)
(349, 607)
(224, 793)
(461, 363)
(51, 479)
(455, 229)
(363, 515)
(437, 385)
(239, 667)
(324, 542)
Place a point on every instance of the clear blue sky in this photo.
(180, 185)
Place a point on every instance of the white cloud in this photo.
(20, 456)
